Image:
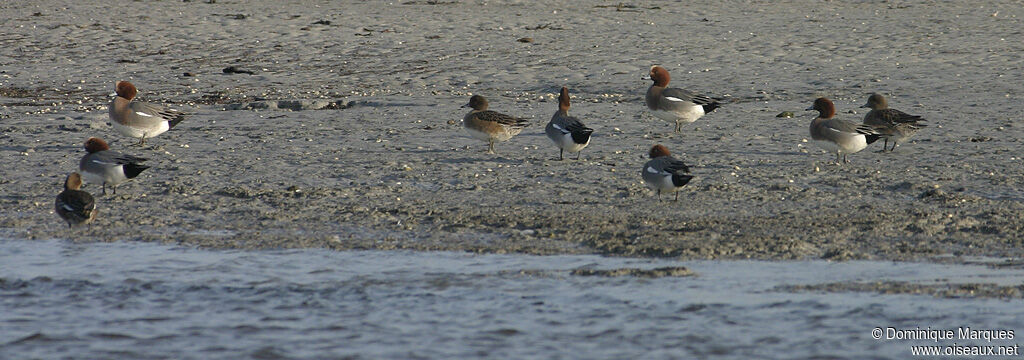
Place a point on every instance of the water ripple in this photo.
(141, 300)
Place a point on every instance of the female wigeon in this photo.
(490, 126)
(896, 124)
(75, 206)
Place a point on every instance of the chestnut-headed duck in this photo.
(104, 166)
(839, 136)
(663, 173)
(139, 119)
(673, 104)
(567, 132)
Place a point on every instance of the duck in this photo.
(898, 125)
(75, 206)
(663, 173)
(138, 119)
(839, 136)
(107, 167)
(488, 125)
(674, 104)
(567, 132)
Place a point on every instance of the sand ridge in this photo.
(385, 164)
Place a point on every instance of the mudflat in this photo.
(337, 124)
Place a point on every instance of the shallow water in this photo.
(140, 300)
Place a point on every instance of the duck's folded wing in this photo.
(500, 118)
(893, 117)
(154, 111)
(680, 95)
(675, 166)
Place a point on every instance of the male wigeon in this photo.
(490, 126)
(677, 105)
(837, 135)
(75, 206)
(664, 173)
(104, 166)
(896, 124)
(138, 119)
(567, 132)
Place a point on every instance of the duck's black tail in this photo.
(582, 136)
(133, 170)
(174, 122)
(681, 179)
(711, 107)
(870, 133)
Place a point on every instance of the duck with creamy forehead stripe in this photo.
(839, 136)
(567, 132)
(75, 206)
(664, 173)
(138, 119)
(896, 124)
(104, 166)
(676, 105)
(490, 126)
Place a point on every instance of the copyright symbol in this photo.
(876, 333)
